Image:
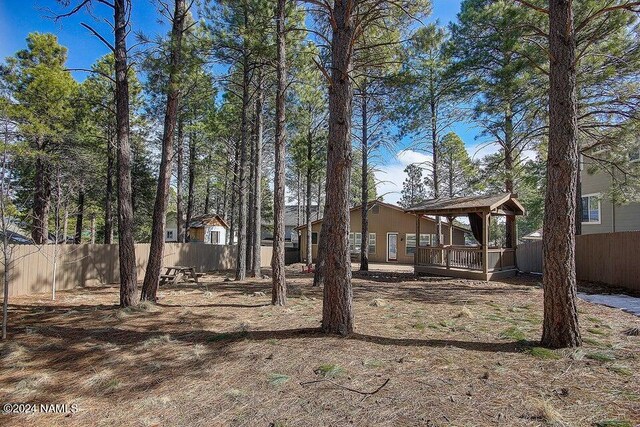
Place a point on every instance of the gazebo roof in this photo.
(499, 204)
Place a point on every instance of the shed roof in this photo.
(207, 219)
(504, 203)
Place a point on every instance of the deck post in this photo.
(450, 219)
(415, 255)
(485, 244)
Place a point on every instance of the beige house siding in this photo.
(382, 221)
(612, 218)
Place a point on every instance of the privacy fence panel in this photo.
(608, 258)
(91, 265)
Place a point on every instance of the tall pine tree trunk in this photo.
(65, 224)
(436, 158)
(337, 307)
(126, 248)
(41, 201)
(241, 258)
(251, 194)
(233, 194)
(108, 193)
(309, 234)
(79, 218)
(560, 326)
(179, 181)
(191, 186)
(508, 167)
(156, 249)
(279, 286)
(257, 179)
(364, 241)
(93, 229)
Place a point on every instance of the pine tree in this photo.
(413, 188)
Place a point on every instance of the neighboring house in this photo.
(17, 233)
(207, 228)
(392, 235)
(171, 228)
(292, 219)
(599, 213)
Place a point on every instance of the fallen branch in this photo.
(364, 393)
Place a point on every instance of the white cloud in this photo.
(390, 176)
(480, 150)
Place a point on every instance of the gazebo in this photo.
(469, 262)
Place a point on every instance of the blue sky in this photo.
(20, 17)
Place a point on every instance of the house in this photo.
(599, 213)
(294, 216)
(392, 235)
(207, 228)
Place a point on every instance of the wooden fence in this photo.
(608, 258)
(90, 265)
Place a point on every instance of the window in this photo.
(170, 235)
(354, 241)
(411, 242)
(215, 237)
(314, 238)
(591, 209)
(372, 243)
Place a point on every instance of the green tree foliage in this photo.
(413, 187)
(41, 93)
(458, 174)
(502, 81)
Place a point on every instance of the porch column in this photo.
(485, 244)
(450, 219)
(511, 224)
(415, 255)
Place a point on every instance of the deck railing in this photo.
(465, 257)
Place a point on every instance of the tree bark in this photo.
(364, 241)
(241, 258)
(93, 229)
(433, 109)
(279, 285)
(179, 180)
(126, 248)
(337, 307)
(65, 224)
(257, 179)
(233, 193)
(309, 233)
(560, 326)
(79, 218)
(108, 194)
(508, 167)
(156, 249)
(579, 201)
(41, 202)
(251, 201)
(191, 186)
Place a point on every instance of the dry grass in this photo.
(455, 352)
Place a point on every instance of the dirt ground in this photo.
(426, 352)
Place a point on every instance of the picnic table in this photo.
(174, 271)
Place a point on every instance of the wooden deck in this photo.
(465, 262)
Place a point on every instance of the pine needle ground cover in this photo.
(427, 351)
